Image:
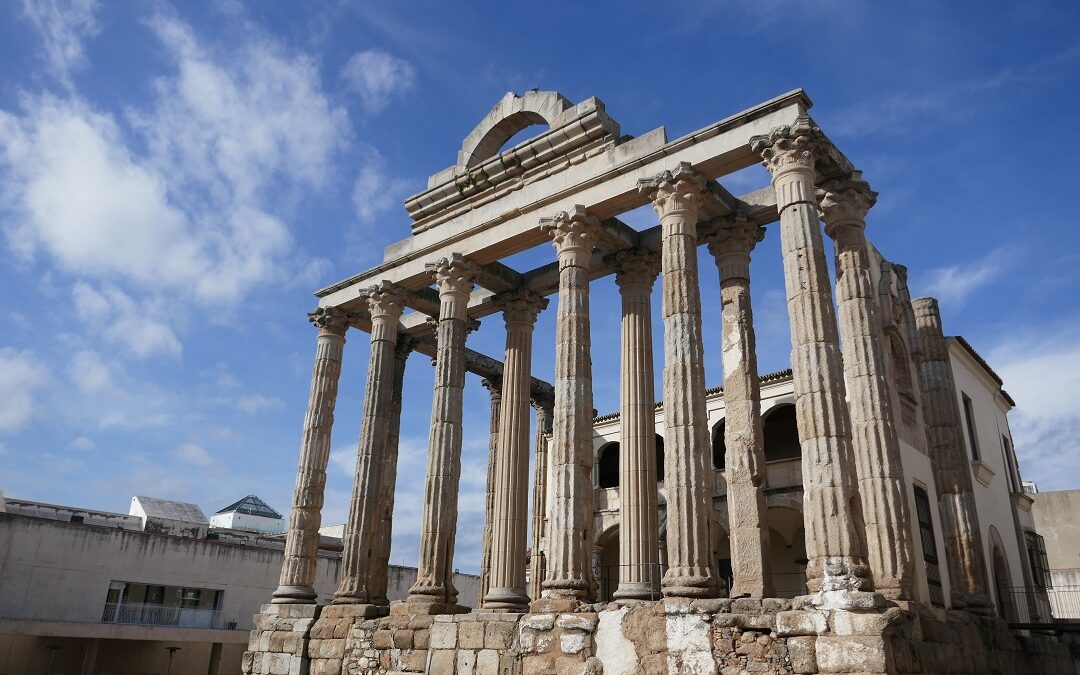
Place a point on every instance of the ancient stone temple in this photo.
(869, 380)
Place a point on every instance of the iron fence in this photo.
(1039, 605)
(161, 615)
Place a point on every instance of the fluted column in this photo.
(385, 303)
(494, 387)
(639, 568)
(378, 581)
(948, 459)
(744, 462)
(832, 513)
(434, 585)
(880, 472)
(537, 558)
(677, 197)
(297, 584)
(570, 535)
(506, 590)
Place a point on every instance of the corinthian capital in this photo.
(680, 190)
(573, 233)
(788, 148)
(520, 306)
(636, 267)
(332, 320)
(385, 301)
(732, 240)
(845, 201)
(454, 274)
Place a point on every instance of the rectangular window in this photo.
(929, 546)
(969, 421)
(1040, 567)
(1010, 465)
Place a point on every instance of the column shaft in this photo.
(570, 529)
(494, 387)
(434, 585)
(639, 569)
(744, 462)
(297, 583)
(385, 303)
(538, 559)
(676, 198)
(510, 513)
(948, 459)
(878, 466)
(378, 580)
(832, 513)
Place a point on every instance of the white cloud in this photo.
(253, 403)
(82, 443)
(121, 319)
(183, 200)
(20, 376)
(377, 77)
(194, 454)
(89, 373)
(374, 191)
(953, 284)
(62, 25)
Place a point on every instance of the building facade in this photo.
(893, 551)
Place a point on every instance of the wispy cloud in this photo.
(1042, 373)
(378, 77)
(21, 375)
(253, 403)
(194, 454)
(953, 284)
(62, 25)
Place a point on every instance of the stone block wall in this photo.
(704, 637)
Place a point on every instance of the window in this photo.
(607, 470)
(781, 434)
(659, 458)
(719, 448)
(1010, 466)
(1040, 568)
(929, 546)
(969, 421)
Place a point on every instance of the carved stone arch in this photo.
(510, 115)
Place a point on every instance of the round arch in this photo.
(510, 115)
(1006, 605)
(719, 447)
(781, 433)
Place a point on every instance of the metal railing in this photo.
(787, 584)
(1046, 606)
(161, 615)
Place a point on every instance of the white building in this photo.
(250, 514)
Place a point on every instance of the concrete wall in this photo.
(1057, 519)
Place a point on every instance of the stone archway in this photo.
(1006, 603)
(510, 115)
(606, 569)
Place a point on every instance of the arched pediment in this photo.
(510, 115)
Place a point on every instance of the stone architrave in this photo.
(378, 580)
(494, 387)
(948, 459)
(639, 565)
(744, 462)
(570, 540)
(832, 514)
(434, 588)
(506, 588)
(537, 559)
(677, 197)
(297, 584)
(880, 472)
(385, 302)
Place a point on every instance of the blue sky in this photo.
(175, 181)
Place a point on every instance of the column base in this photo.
(505, 600)
(635, 591)
(559, 602)
(294, 595)
(425, 607)
(700, 584)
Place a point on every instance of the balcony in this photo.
(1056, 608)
(162, 615)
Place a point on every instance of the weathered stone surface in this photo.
(850, 654)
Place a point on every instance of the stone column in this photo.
(832, 513)
(377, 574)
(570, 535)
(948, 459)
(506, 590)
(494, 387)
(639, 534)
(434, 590)
(677, 196)
(297, 583)
(880, 472)
(744, 462)
(537, 558)
(385, 303)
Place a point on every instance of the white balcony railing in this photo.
(160, 615)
